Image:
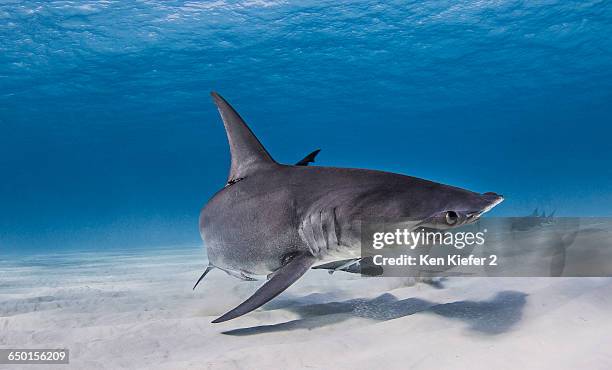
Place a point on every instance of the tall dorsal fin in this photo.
(246, 151)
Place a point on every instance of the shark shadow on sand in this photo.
(490, 317)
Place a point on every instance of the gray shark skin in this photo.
(279, 220)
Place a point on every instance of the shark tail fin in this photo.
(248, 155)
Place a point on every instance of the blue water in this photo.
(108, 136)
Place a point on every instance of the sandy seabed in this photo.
(136, 309)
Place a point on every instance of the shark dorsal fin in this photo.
(248, 155)
(310, 158)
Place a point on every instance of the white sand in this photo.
(137, 310)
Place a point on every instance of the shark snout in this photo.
(486, 203)
(491, 199)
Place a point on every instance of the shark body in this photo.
(278, 220)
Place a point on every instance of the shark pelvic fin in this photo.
(281, 280)
(310, 158)
(246, 151)
(203, 274)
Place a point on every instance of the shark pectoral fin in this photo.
(310, 158)
(281, 280)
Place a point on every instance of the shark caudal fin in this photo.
(248, 155)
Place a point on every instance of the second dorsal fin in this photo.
(248, 155)
(310, 158)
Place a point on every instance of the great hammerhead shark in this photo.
(279, 220)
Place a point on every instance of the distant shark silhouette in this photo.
(279, 220)
(534, 220)
(559, 238)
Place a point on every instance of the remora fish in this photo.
(279, 220)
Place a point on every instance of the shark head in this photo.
(416, 203)
(461, 207)
(410, 202)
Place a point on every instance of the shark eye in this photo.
(451, 217)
